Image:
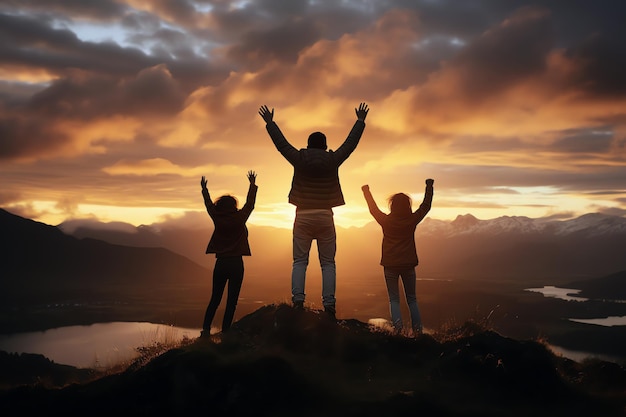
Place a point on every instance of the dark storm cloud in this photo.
(509, 42)
(30, 130)
(282, 43)
(608, 178)
(169, 43)
(507, 54)
(23, 136)
(278, 30)
(602, 62)
(95, 9)
(23, 31)
(532, 87)
(14, 94)
(33, 42)
(590, 140)
(463, 19)
(152, 91)
(574, 20)
(180, 11)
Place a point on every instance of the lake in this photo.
(579, 356)
(569, 294)
(104, 345)
(98, 345)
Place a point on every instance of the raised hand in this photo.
(203, 182)
(361, 112)
(266, 114)
(430, 181)
(252, 177)
(365, 188)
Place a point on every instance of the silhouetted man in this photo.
(315, 190)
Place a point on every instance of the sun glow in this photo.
(50, 212)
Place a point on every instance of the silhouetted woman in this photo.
(229, 243)
(399, 256)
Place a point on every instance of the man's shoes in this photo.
(298, 305)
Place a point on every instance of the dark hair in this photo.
(400, 203)
(226, 203)
(317, 140)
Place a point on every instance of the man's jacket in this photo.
(315, 183)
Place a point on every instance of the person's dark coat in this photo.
(398, 247)
(230, 237)
(315, 183)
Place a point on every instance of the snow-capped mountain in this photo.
(507, 247)
(592, 224)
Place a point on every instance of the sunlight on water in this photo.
(604, 321)
(97, 345)
(567, 294)
(380, 323)
(386, 326)
(580, 356)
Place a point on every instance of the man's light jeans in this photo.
(310, 225)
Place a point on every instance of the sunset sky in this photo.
(112, 110)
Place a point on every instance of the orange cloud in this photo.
(159, 166)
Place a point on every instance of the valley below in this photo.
(505, 307)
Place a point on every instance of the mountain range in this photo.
(83, 254)
(508, 247)
(73, 274)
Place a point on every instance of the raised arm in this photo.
(284, 147)
(251, 197)
(424, 208)
(252, 177)
(349, 145)
(361, 112)
(378, 215)
(208, 203)
(266, 114)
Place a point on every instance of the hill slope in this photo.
(38, 254)
(611, 287)
(278, 362)
(47, 276)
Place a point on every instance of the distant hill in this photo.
(611, 287)
(280, 362)
(34, 369)
(42, 257)
(523, 248)
(508, 247)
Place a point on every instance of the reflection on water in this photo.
(96, 345)
(108, 344)
(579, 356)
(604, 321)
(567, 294)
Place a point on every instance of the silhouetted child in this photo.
(229, 243)
(399, 256)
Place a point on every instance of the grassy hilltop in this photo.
(278, 361)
